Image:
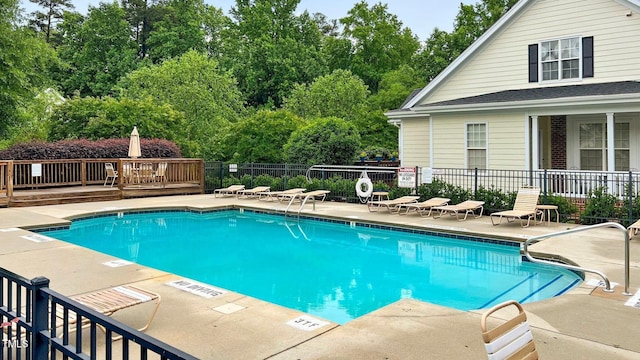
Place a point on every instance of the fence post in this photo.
(285, 176)
(252, 174)
(39, 348)
(221, 173)
(630, 187)
(475, 185)
(544, 185)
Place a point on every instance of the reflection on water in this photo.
(326, 269)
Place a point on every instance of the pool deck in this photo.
(586, 323)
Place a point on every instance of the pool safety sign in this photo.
(407, 177)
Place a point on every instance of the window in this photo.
(561, 59)
(593, 146)
(476, 146)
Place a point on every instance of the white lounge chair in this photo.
(391, 205)
(467, 207)
(253, 192)
(422, 207)
(523, 208)
(228, 191)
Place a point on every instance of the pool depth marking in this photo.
(196, 288)
(307, 323)
(37, 238)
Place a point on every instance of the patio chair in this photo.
(467, 207)
(391, 205)
(161, 173)
(304, 196)
(249, 193)
(634, 228)
(422, 207)
(511, 339)
(523, 208)
(111, 173)
(228, 191)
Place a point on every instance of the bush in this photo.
(86, 149)
(601, 207)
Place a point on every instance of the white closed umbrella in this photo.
(134, 144)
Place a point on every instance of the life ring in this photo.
(369, 187)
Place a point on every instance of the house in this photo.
(554, 84)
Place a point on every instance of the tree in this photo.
(23, 65)
(195, 85)
(96, 119)
(261, 137)
(339, 94)
(99, 50)
(273, 49)
(395, 87)
(45, 21)
(330, 141)
(178, 31)
(379, 42)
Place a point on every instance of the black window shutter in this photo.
(533, 63)
(587, 57)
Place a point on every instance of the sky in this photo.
(421, 16)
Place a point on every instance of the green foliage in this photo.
(271, 49)
(601, 207)
(566, 208)
(106, 118)
(395, 87)
(261, 137)
(379, 42)
(330, 141)
(439, 188)
(24, 61)
(194, 85)
(178, 31)
(494, 199)
(99, 50)
(376, 133)
(339, 94)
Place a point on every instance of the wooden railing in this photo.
(39, 174)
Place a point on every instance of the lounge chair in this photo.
(467, 207)
(160, 175)
(302, 196)
(111, 173)
(228, 191)
(634, 228)
(391, 205)
(109, 301)
(422, 207)
(249, 193)
(511, 339)
(279, 195)
(523, 208)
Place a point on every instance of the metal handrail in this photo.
(539, 238)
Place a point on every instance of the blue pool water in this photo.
(331, 270)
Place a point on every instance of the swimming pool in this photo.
(334, 270)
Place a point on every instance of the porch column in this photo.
(611, 146)
(535, 143)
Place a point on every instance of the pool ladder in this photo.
(302, 202)
(607, 288)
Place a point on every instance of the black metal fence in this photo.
(33, 329)
(572, 190)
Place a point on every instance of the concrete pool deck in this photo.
(583, 324)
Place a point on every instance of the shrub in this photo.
(601, 207)
(565, 207)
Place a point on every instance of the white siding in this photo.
(506, 138)
(415, 132)
(502, 63)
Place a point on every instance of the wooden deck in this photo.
(51, 182)
(76, 194)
